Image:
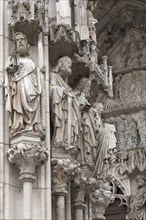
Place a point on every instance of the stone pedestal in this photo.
(60, 205)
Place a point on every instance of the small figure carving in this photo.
(138, 201)
(91, 21)
(39, 11)
(23, 89)
(142, 55)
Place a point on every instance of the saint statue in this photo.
(88, 130)
(65, 112)
(105, 139)
(23, 90)
(138, 201)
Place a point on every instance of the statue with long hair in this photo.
(23, 90)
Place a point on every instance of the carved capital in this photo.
(27, 153)
(83, 185)
(63, 171)
(101, 198)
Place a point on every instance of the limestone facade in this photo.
(72, 110)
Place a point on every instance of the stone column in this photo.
(62, 170)
(47, 121)
(27, 152)
(68, 203)
(1, 112)
(60, 205)
(83, 185)
(79, 210)
(27, 180)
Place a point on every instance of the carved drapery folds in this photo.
(77, 125)
(24, 84)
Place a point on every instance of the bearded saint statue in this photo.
(23, 90)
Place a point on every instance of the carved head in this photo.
(91, 5)
(98, 106)
(85, 87)
(63, 66)
(141, 180)
(21, 44)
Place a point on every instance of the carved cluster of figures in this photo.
(131, 130)
(76, 123)
(132, 52)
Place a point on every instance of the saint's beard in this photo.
(22, 52)
(66, 72)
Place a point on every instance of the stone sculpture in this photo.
(23, 89)
(138, 201)
(88, 130)
(91, 21)
(64, 106)
(105, 140)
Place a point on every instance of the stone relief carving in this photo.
(132, 87)
(126, 131)
(129, 52)
(131, 139)
(24, 84)
(138, 200)
(141, 127)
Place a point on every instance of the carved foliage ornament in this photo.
(27, 155)
(63, 171)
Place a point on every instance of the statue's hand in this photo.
(43, 69)
(12, 68)
(87, 107)
(67, 90)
